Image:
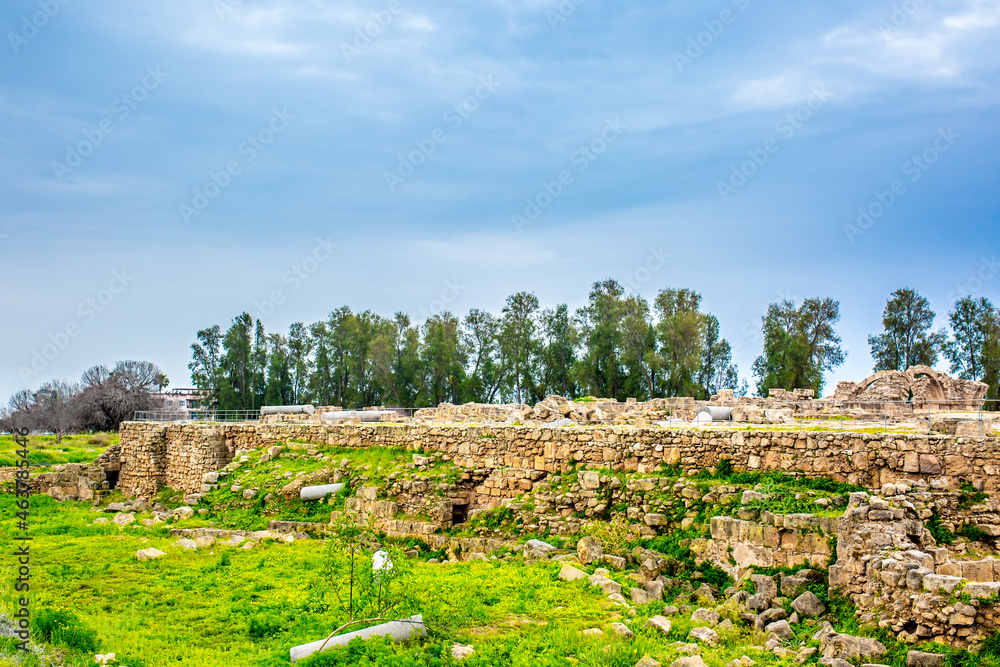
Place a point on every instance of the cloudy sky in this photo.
(166, 166)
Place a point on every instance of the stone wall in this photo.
(154, 455)
(776, 540)
(157, 455)
(892, 570)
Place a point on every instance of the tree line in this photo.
(617, 346)
(100, 401)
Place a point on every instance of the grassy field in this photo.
(46, 452)
(225, 606)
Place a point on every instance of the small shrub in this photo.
(263, 625)
(972, 533)
(937, 530)
(58, 626)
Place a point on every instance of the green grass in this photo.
(44, 451)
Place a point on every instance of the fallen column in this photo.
(318, 492)
(399, 631)
(287, 410)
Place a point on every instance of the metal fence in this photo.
(197, 415)
(955, 416)
(209, 415)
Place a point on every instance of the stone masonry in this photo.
(154, 455)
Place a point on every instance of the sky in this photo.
(167, 166)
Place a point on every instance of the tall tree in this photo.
(717, 368)
(481, 336)
(600, 368)
(907, 339)
(800, 343)
(638, 339)
(322, 384)
(237, 364)
(443, 357)
(299, 348)
(206, 359)
(519, 345)
(560, 339)
(973, 323)
(280, 385)
(681, 333)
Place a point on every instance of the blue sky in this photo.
(166, 166)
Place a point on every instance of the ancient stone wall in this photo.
(776, 540)
(889, 565)
(154, 455)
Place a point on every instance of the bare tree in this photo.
(57, 408)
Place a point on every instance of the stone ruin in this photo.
(920, 386)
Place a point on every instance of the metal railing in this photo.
(816, 414)
(197, 415)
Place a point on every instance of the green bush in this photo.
(941, 534)
(263, 625)
(58, 626)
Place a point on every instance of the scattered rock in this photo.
(765, 585)
(570, 573)
(537, 549)
(149, 554)
(661, 623)
(705, 635)
(705, 616)
(124, 519)
(646, 661)
(690, 661)
(781, 629)
(923, 659)
(183, 513)
(250, 494)
(846, 647)
(622, 630)
(803, 656)
(186, 544)
(593, 632)
(461, 651)
(607, 586)
(589, 550)
(808, 605)
(640, 596)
